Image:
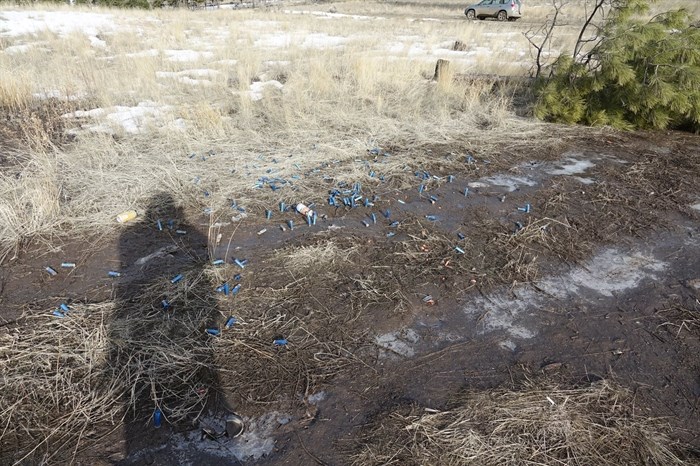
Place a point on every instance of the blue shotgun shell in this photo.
(51, 271)
(239, 263)
(230, 322)
(213, 331)
(459, 250)
(177, 278)
(157, 418)
(235, 289)
(268, 214)
(387, 213)
(114, 274)
(280, 342)
(58, 313)
(68, 265)
(64, 307)
(218, 262)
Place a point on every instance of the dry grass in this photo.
(540, 423)
(69, 381)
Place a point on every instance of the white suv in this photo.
(499, 9)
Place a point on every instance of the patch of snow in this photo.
(320, 40)
(400, 342)
(317, 397)
(12, 49)
(143, 53)
(55, 94)
(130, 119)
(186, 55)
(608, 272)
(572, 166)
(511, 183)
(695, 206)
(228, 62)
(508, 344)
(30, 22)
(273, 41)
(257, 89)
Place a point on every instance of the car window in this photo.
(486, 2)
(503, 2)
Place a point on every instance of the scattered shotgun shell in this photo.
(126, 216)
(459, 250)
(450, 178)
(390, 234)
(314, 217)
(431, 218)
(181, 232)
(394, 224)
(421, 188)
(429, 300)
(230, 322)
(466, 191)
(518, 226)
(400, 201)
(282, 206)
(58, 313)
(213, 331)
(433, 199)
(177, 278)
(157, 418)
(525, 209)
(262, 231)
(68, 265)
(373, 217)
(239, 263)
(282, 227)
(290, 224)
(268, 214)
(218, 262)
(236, 289)
(237, 277)
(460, 236)
(159, 224)
(279, 342)
(114, 274)
(51, 271)
(64, 307)
(165, 304)
(365, 223)
(386, 213)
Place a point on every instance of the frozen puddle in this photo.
(610, 271)
(399, 343)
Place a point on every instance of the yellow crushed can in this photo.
(126, 216)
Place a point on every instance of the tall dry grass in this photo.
(349, 84)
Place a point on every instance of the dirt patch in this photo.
(457, 270)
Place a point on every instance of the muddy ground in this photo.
(599, 278)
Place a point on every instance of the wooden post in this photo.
(442, 68)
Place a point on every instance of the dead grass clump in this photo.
(540, 423)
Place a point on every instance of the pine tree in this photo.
(628, 73)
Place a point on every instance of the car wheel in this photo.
(471, 14)
(502, 15)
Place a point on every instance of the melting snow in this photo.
(186, 55)
(257, 89)
(130, 119)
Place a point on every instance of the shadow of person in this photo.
(159, 349)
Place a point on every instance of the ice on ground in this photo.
(256, 442)
(608, 272)
(511, 183)
(400, 342)
(130, 119)
(186, 55)
(572, 166)
(317, 397)
(257, 89)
